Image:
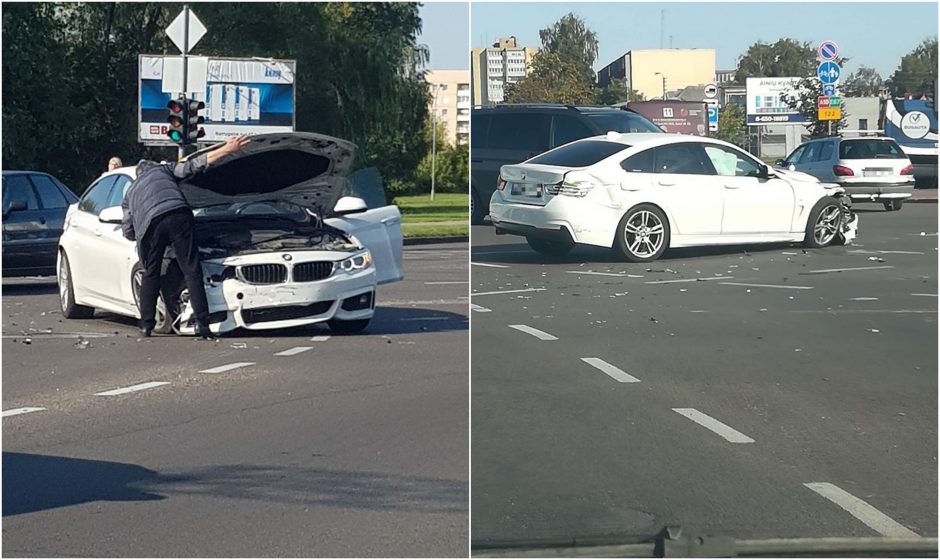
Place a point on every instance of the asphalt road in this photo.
(749, 392)
(356, 446)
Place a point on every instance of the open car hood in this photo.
(303, 168)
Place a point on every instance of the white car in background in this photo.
(869, 168)
(282, 243)
(644, 193)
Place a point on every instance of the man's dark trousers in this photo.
(174, 229)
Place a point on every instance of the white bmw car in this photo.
(282, 242)
(644, 193)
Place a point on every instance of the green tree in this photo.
(616, 92)
(864, 82)
(552, 79)
(731, 127)
(805, 101)
(451, 166)
(785, 58)
(917, 71)
(572, 40)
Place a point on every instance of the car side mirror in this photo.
(763, 172)
(349, 205)
(780, 163)
(15, 205)
(111, 215)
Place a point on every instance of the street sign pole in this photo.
(183, 146)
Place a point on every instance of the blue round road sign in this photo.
(828, 50)
(828, 72)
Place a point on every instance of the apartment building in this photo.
(495, 67)
(450, 102)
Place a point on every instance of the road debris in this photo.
(239, 346)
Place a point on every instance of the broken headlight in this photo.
(355, 263)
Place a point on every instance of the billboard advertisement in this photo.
(242, 96)
(764, 106)
(679, 117)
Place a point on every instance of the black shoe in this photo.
(145, 332)
(203, 332)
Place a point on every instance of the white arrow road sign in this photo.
(175, 30)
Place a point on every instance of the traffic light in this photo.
(193, 120)
(176, 120)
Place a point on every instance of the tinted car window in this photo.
(811, 153)
(519, 131)
(49, 192)
(870, 149)
(478, 129)
(621, 121)
(96, 197)
(17, 187)
(685, 159)
(569, 129)
(795, 156)
(730, 163)
(580, 154)
(118, 190)
(643, 162)
(825, 154)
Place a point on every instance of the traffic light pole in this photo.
(184, 148)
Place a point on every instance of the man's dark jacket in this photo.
(154, 193)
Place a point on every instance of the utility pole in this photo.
(433, 138)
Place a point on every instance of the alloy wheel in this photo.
(644, 234)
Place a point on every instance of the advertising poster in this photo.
(242, 96)
(764, 106)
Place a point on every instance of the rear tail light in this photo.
(909, 170)
(842, 171)
(501, 184)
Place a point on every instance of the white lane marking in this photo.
(24, 410)
(294, 351)
(320, 339)
(899, 311)
(132, 388)
(228, 367)
(719, 428)
(825, 270)
(697, 311)
(610, 370)
(541, 335)
(689, 280)
(925, 295)
(489, 265)
(426, 319)
(617, 274)
(479, 308)
(767, 286)
(861, 510)
(507, 292)
(866, 252)
(864, 299)
(445, 283)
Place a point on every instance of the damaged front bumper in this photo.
(849, 219)
(236, 303)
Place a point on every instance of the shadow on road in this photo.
(522, 254)
(34, 483)
(32, 287)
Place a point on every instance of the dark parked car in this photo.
(510, 133)
(34, 206)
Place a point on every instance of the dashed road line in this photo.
(767, 286)
(479, 308)
(132, 388)
(446, 283)
(827, 270)
(228, 367)
(591, 273)
(294, 351)
(319, 339)
(498, 292)
(489, 265)
(864, 299)
(704, 279)
(23, 410)
(861, 510)
(897, 311)
(541, 335)
(613, 371)
(867, 252)
(925, 295)
(716, 426)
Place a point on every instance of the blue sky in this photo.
(445, 31)
(874, 34)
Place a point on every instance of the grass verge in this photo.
(445, 216)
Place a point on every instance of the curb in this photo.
(431, 240)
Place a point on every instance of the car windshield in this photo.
(870, 149)
(621, 121)
(273, 208)
(579, 154)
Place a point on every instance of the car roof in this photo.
(553, 106)
(21, 172)
(650, 139)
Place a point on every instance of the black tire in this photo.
(164, 320)
(550, 248)
(893, 205)
(477, 208)
(70, 309)
(826, 210)
(644, 225)
(348, 327)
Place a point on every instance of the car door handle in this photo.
(732, 187)
(666, 183)
(391, 220)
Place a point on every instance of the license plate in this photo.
(526, 189)
(876, 172)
